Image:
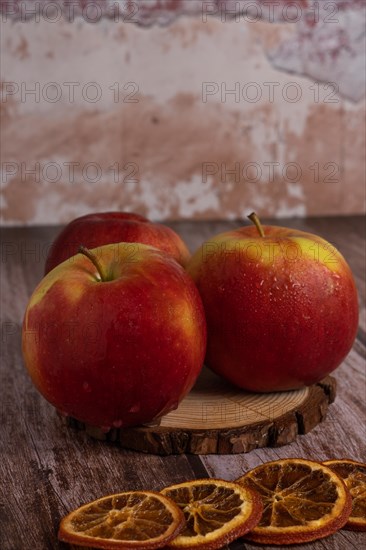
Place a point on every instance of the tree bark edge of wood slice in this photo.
(269, 430)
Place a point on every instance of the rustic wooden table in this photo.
(47, 469)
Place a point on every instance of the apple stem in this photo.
(93, 258)
(254, 218)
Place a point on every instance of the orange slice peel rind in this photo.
(303, 501)
(216, 512)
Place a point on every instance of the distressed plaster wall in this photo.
(182, 109)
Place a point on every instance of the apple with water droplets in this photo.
(100, 228)
(116, 337)
(281, 306)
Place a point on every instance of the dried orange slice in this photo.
(354, 475)
(135, 519)
(303, 501)
(216, 512)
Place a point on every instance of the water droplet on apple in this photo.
(135, 408)
(86, 387)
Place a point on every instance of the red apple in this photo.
(281, 306)
(116, 337)
(102, 228)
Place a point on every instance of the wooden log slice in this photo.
(218, 418)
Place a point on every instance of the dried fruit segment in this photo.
(135, 519)
(216, 512)
(354, 475)
(303, 501)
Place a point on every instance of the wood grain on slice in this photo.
(218, 418)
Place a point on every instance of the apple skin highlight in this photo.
(281, 308)
(120, 352)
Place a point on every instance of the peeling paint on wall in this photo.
(191, 119)
(328, 54)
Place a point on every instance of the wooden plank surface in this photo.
(46, 469)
